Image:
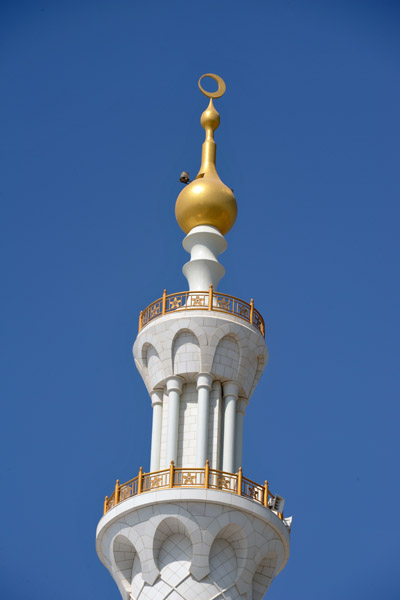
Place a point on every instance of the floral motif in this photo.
(223, 303)
(243, 310)
(175, 303)
(197, 300)
(125, 492)
(224, 483)
(155, 482)
(188, 479)
(154, 311)
(217, 302)
(252, 492)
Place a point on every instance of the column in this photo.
(174, 390)
(204, 382)
(240, 412)
(156, 402)
(230, 391)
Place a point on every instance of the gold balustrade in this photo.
(209, 300)
(199, 478)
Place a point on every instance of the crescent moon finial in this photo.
(221, 86)
(207, 200)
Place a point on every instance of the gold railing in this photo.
(176, 477)
(209, 300)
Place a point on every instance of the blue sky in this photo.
(100, 113)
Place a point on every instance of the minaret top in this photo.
(207, 200)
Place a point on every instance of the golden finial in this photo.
(221, 86)
(207, 200)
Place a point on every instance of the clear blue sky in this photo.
(100, 112)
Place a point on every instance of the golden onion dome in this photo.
(207, 200)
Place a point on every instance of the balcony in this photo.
(210, 301)
(197, 478)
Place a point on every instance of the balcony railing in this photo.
(210, 300)
(177, 477)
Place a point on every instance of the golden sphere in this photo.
(206, 201)
(210, 118)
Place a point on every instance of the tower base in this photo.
(192, 544)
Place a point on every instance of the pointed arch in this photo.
(126, 564)
(227, 358)
(185, 353)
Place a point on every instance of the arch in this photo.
(235, 535)
(197, 569)
(175, 326)
(223, 563)
(237, 332)
(173, 550)
(228, 555)
(261, 362)
(137, 579)
(148, 363)
(221, 523)
(149, 571)
(162, 336)
(127, 563)
(147, 351)
(247, 370)
(227, 358)
(174, 558)
(185, 353)
(275, 547)
(264, 574)
(151, 360)
(167, 526)
(235, 528)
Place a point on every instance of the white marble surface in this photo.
(191, 544)
(179, 347)
(187, 343)
(204, 243)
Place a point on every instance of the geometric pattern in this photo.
(193, 550)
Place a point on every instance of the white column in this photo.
(156, 402)
(240, 412)
(174, 390)
(204, 243)
(230, 390)
(204, 382)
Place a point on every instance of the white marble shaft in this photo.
(156, 402)
(200, 372)
(231, 391)
(174, 391)
(203, 387)
(239, 422)
(204, 243)
(192, 544)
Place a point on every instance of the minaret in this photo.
(194, 526)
